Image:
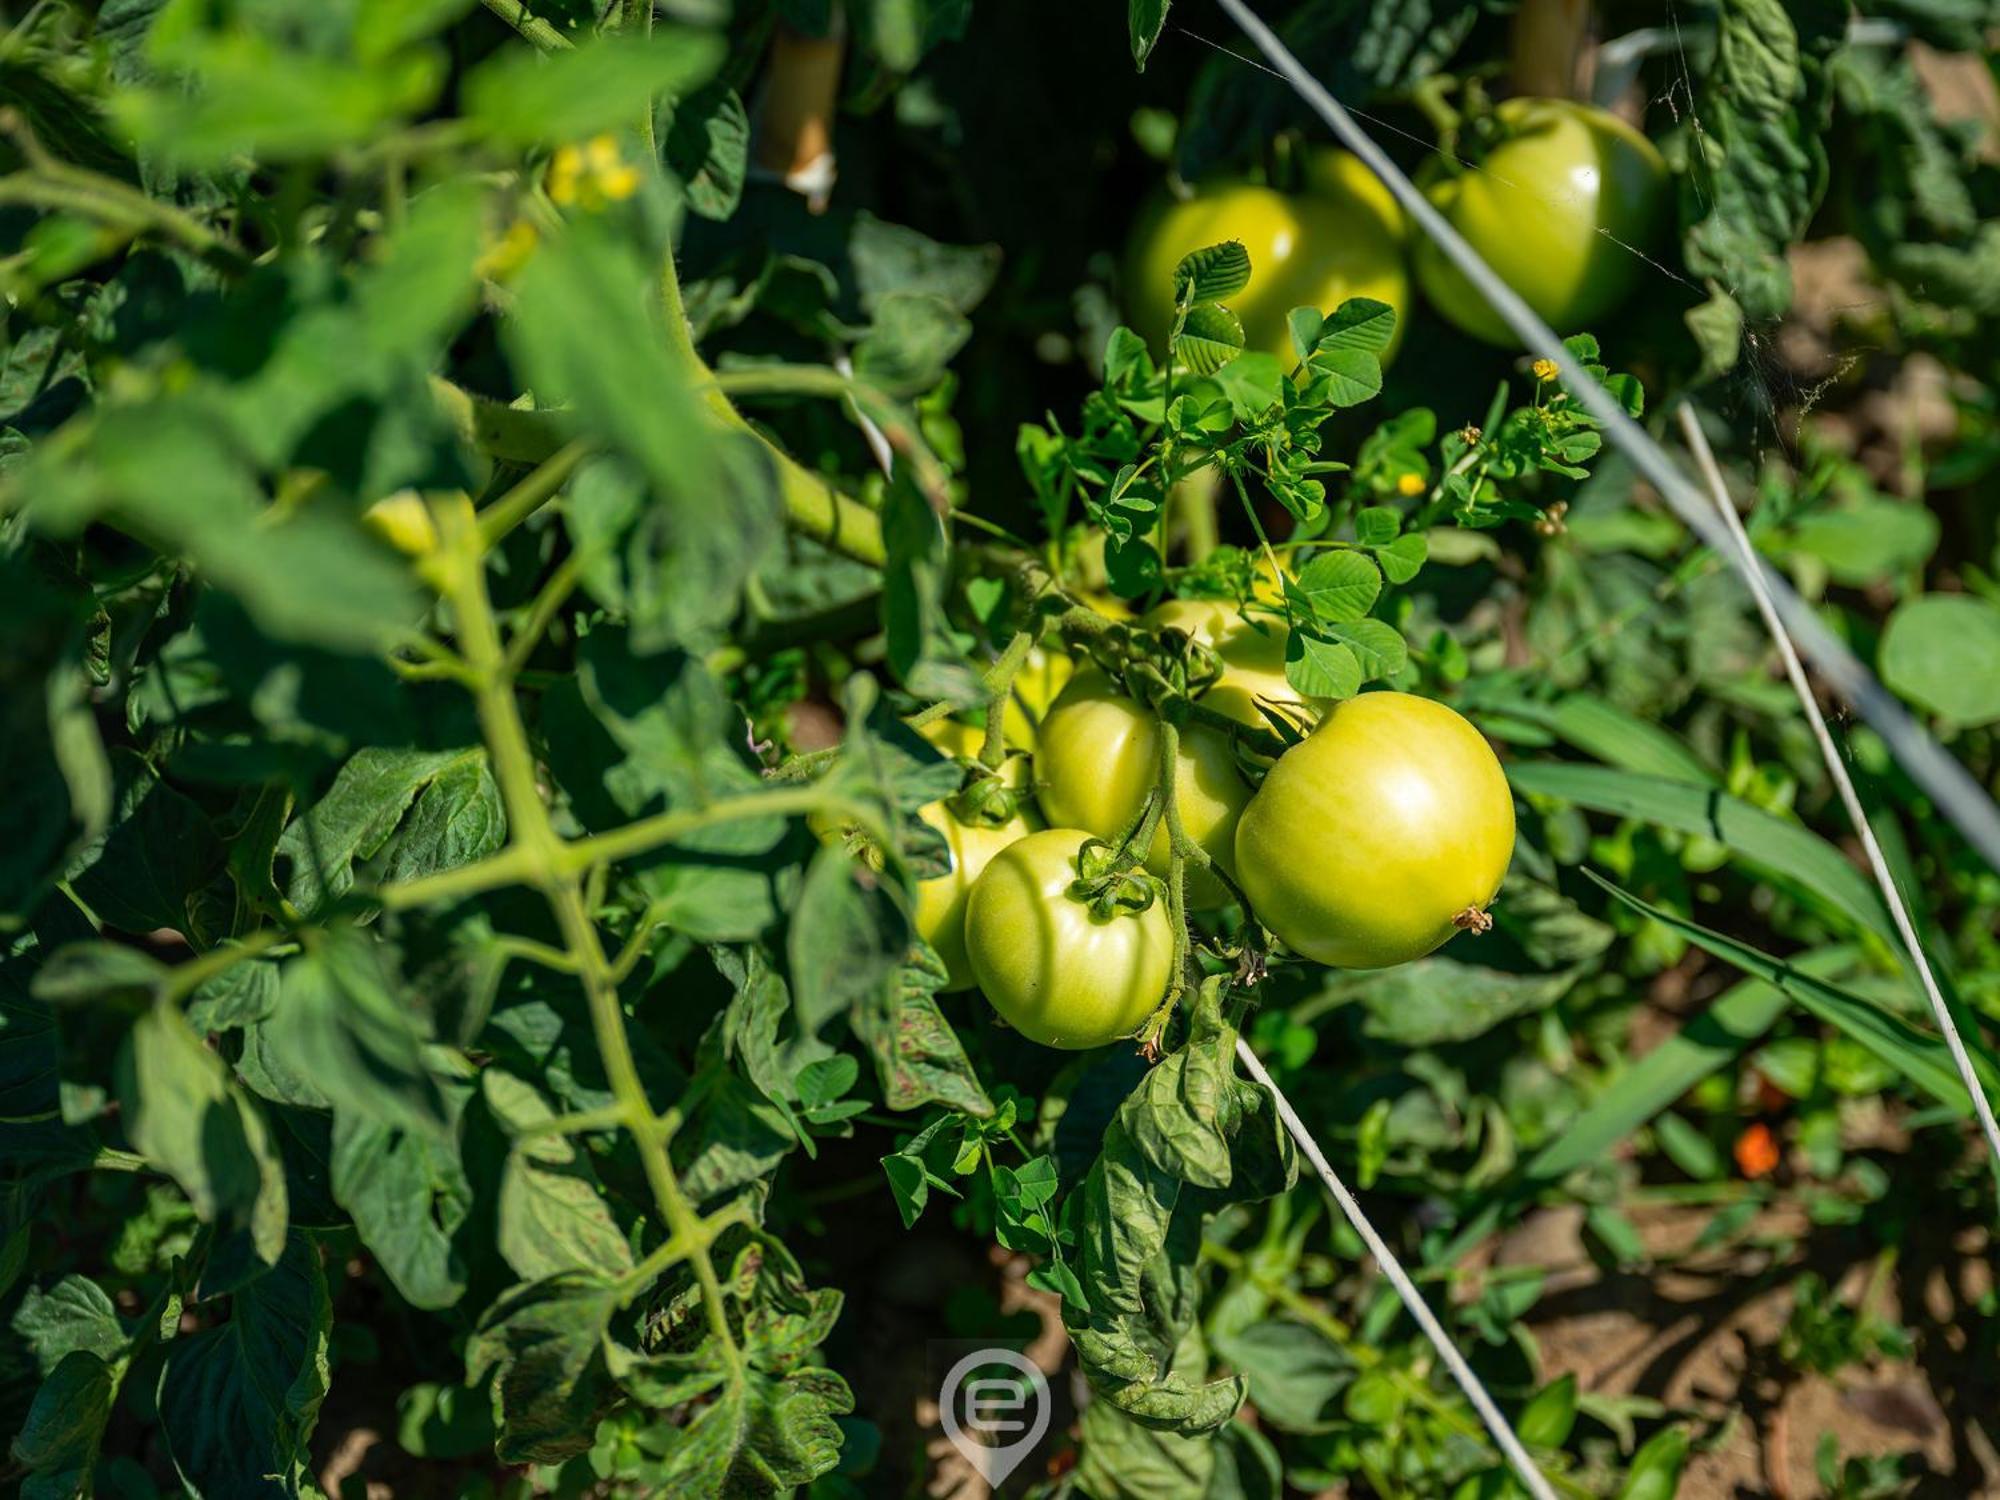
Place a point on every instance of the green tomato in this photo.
(1341, 238)
(1252, 655)
(1384, 832)
(1059, 973)
(1099, 756)
(940, 912)
(1553, 209)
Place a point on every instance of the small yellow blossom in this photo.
(1545, 370)
(508, 253)
(591, 176)
(1409, 484)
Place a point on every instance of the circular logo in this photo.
(1004, 1417)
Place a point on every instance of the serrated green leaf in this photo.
(408, 1194)
(345, 1024)
(186, 1115)
(542, 1346)
(74, 1314)
(238, 1400)
(58, 1440)
(553, 1216)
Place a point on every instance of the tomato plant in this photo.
(655, 773)
(1099, 761)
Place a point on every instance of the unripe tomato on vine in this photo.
(1341, 236)
(1058, 971)
(940, 909)
(1565, 208)
(1378, 837)
(1098, 755)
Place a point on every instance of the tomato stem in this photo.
(1178, 844)
(999, 685)
(541, 859)
(534, 491)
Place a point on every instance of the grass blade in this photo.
(1787, 850)
(1920, 1057)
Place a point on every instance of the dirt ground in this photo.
(1700, 1333)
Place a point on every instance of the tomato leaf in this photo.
(522, 98)
(238, 1399)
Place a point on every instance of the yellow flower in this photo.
(509, 253)
(1545, 370)
(565, 173)
(1409, 484)
(592, 175)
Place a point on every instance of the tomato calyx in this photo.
(986, 800)
(1109, 878)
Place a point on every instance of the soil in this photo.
(1700, 1333)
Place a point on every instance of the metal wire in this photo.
(1475, 1392)
(1950, 786)
(1836, 766)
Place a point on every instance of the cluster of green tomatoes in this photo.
(1565, 202)
(1370, 841)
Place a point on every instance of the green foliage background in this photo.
(421, 974)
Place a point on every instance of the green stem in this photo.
(1256, 525)
(512, 866)
(532, 27)
(662, 829)
(641, 13)
(584, 1122)
(73, 190)
(812, 506)
(562, 582)
(184, 979)
(999, 685)
(533, 839)
(507, 946)
(531, 494)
